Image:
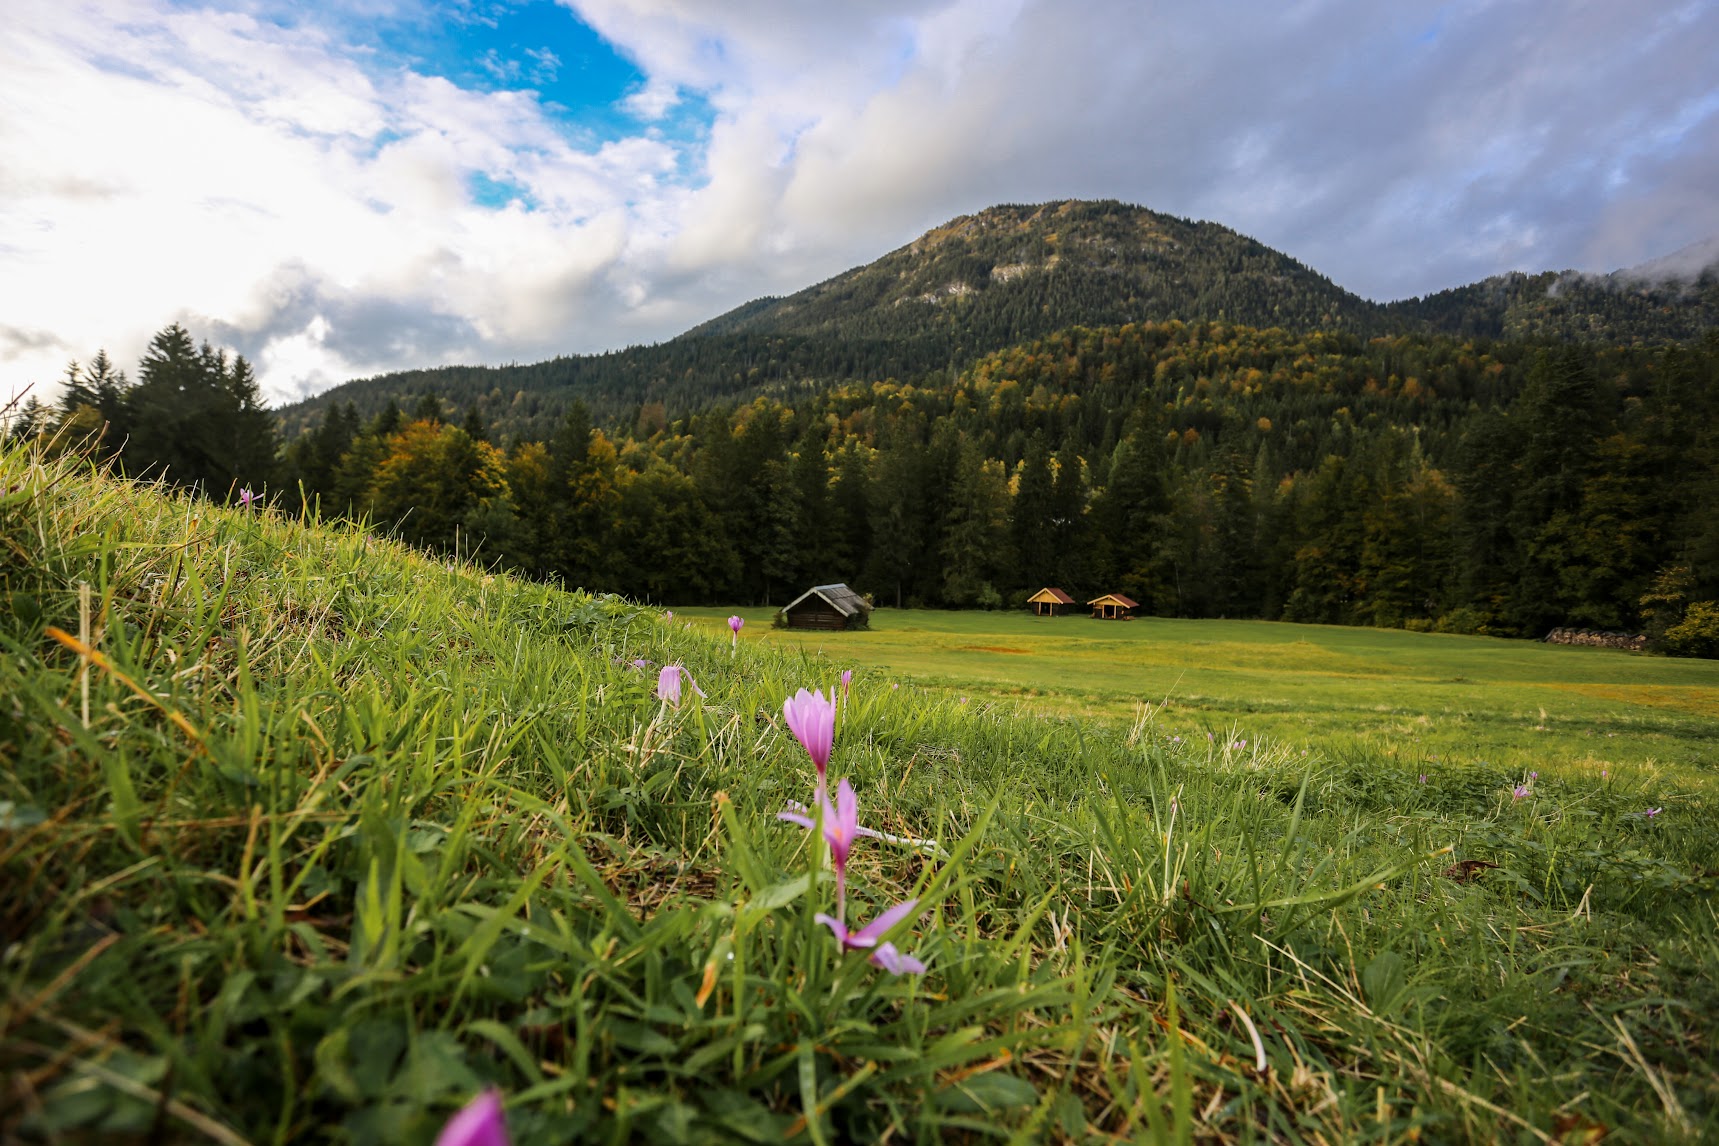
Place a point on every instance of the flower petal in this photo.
(480, 1123)
(896, 962)
(868, 935)
(836, 926)
(812, 720)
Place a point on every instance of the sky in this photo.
(337, 190)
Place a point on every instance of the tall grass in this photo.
(346, 833)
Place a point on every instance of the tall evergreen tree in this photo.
(975, 543)
(1032, 519)
(1561, 412)
(197, 418)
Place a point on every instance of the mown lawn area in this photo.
(1421, 699)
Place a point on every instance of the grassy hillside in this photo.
(1425, 701)
(306, 837)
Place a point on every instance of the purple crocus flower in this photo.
(1652, 812)
(246, 497)
(1423, 777)
(1520, 791)
(734, 624)
(812, 719)
(668, 615)
(1533, 775)
(481, 1123)
(841, 828)
(668, 684)
(847, 679)
(798, 813)
(868, 936)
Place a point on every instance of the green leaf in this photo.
(983, 1093)
(508, 1043)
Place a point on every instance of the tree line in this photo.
(194, 418)
(1203, 469)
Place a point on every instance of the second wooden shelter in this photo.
(1113, 607)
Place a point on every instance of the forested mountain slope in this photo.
(984, 282)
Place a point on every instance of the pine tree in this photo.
(1032, 519)
(428, 409)
(975, 540)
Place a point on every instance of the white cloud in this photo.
(282, 190)
(652, 101)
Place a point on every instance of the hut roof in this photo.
(1115, 599)
(839, 597)
(1050, 596)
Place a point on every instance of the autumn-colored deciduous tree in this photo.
(433, 483)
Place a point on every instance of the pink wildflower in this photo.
(869, 935)
(896, 963)
(812, 719)
(481, 1123)
(1519, 791)
(841, 829)
(246, 497)
(668, 684)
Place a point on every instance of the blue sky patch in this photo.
(505, 45)
(497, 193)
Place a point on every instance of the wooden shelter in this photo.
(1113, 607)
(1048, 602)
(827, 607)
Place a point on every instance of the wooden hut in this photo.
(827, 607)
(1049, 602)
(1113, 607)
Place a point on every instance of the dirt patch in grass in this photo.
(1701, 701)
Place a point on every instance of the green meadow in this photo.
(1417, 699)
(306, 836)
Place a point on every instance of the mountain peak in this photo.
(1017, 271)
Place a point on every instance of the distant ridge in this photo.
(1687, 264)
(1011, 273)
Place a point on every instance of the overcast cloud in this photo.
(285, 188)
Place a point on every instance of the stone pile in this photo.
(1598, 638)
